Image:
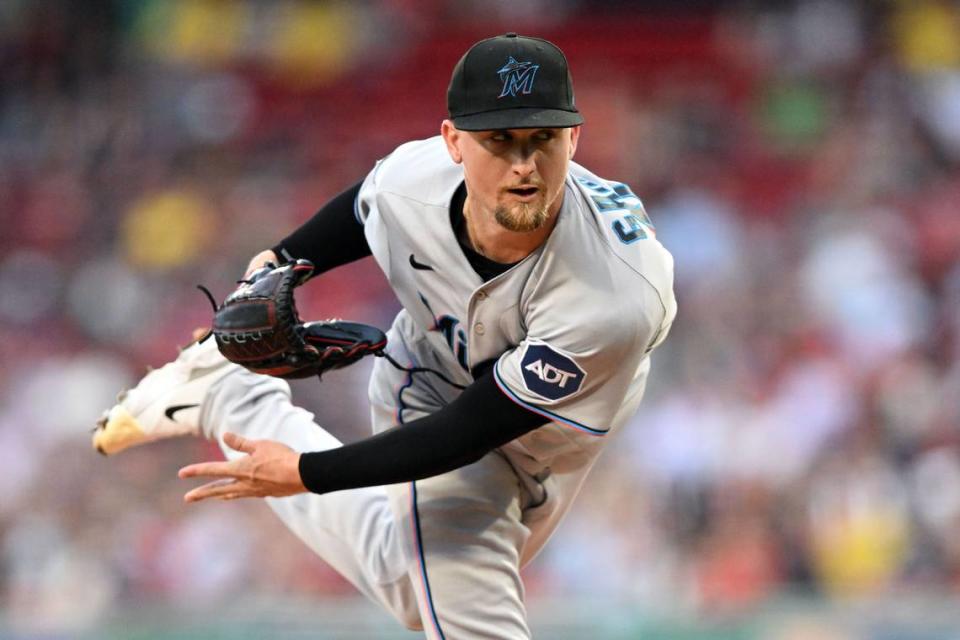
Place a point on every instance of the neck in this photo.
(492, 241)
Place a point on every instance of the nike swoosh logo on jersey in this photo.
(419, 265)
(177, 407)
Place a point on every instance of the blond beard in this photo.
(523, 216)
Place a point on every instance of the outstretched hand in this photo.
(269, 469)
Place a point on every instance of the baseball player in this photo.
(533, 293)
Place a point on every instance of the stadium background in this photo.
(794, 472)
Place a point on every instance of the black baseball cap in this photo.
(512, 82)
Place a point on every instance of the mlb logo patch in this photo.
(550, 374)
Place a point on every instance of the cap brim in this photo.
(519, 118)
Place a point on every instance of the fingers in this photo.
(238, 443)
(231, 474)
(211, 469)
(227, 469)
(222, 489)
(278, 473)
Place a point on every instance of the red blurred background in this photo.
(794, 471)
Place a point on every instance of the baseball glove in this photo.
(258, 326)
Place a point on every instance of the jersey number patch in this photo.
(632, 223)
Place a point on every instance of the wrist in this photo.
(298, 477)
(304, 472)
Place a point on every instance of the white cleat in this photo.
(166, 402)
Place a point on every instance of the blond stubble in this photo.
(523, 216)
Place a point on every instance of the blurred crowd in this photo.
(801, 160)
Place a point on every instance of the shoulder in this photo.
(420, 170)
(605, 246)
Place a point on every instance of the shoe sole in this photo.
(117, 430)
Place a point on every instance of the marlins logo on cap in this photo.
(517, 77)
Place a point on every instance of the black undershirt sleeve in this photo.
(479, 420)
(332, 237)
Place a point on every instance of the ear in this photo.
(574, 138)
(452, 136)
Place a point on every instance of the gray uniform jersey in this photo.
(571, 326)
(570, 329)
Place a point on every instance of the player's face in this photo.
(515, 174)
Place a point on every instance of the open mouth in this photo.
(523, 192)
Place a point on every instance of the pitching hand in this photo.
(268, 469)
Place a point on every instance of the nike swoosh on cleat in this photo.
(177, 407)
(419, 265)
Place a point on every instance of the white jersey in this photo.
(571, 326)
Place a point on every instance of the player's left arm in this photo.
(479, 420)
(332, 237)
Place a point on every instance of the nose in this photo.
(524, 161)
